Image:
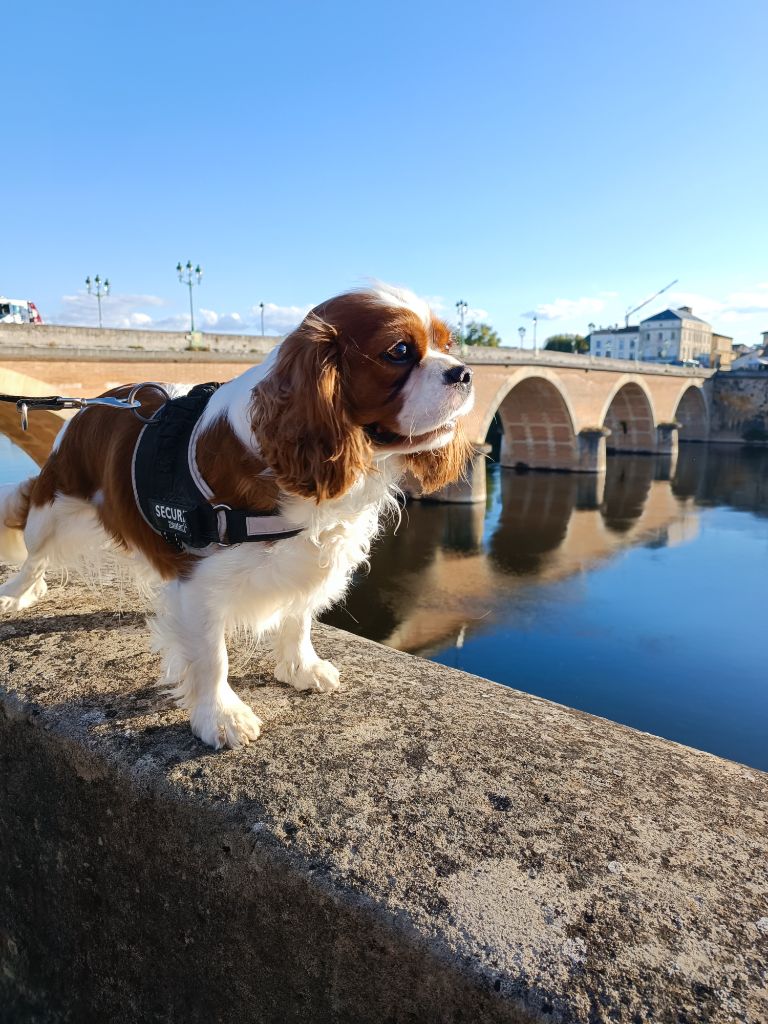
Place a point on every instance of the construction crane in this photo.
(654, 296)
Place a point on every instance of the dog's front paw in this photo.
(229, 723)
(319, 676)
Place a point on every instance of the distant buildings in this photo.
(755, 358)
(675, 335)
(672, 336)
(615, 342)
(722, 353)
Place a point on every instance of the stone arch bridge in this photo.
(569, 413)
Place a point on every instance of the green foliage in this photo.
(567, 343)
(479, 334)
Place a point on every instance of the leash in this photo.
(25, 405)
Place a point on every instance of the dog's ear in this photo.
(300, 418)
(443, 466)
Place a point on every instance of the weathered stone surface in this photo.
(740, 406)
(425, 846)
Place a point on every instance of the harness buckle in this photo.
(221, 520)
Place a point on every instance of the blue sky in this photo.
(568, 158)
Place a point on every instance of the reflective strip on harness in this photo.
(171, 494)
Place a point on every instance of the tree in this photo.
(567, 343)
(479, 334)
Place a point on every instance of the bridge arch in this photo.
(693, 415)
(537, 424)
(629, 415)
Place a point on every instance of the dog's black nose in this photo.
(458, 375)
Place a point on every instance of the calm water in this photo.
(640, 598)
(643, 602)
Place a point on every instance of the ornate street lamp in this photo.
(535, 345)
(461, 309)
(261, 307)
(98, 288)
(521, 332)
(187, 275)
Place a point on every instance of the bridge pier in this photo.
(592, 448)
(667, 438)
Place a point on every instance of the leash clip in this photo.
(135, 405)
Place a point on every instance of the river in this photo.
(637, 596)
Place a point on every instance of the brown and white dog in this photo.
(361, 392)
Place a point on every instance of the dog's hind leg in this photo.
(28, 586)
(61, 532)
(190, 634)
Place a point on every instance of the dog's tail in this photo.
(14, 509)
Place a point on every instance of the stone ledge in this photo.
(425, 846)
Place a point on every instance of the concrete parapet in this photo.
(425, 846)
(58, 336)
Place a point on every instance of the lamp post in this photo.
(461, 309)
(261, 308)
(521, 332)
(98, 288)
(187, 275)
(535, 345)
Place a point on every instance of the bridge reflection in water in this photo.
(453, 569)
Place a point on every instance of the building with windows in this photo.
(615, 342)
(675, 335)
(722, 354)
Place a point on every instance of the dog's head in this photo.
(366, 375)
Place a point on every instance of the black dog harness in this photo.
(171, 494)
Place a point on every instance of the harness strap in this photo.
(171, 494)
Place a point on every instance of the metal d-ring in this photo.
(140, 387)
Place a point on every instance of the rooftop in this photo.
(683, 313)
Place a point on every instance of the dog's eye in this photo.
(399, 353)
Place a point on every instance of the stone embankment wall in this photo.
(23, 337)
(740, 406)
(423, 847)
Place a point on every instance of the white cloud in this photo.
(278, 319)
(565, 309)
(750, 301)
(701, 305)
(733, 307)
(116, 310)
(447, 311)
(132, 311)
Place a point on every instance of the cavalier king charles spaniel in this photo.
(315, 439)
